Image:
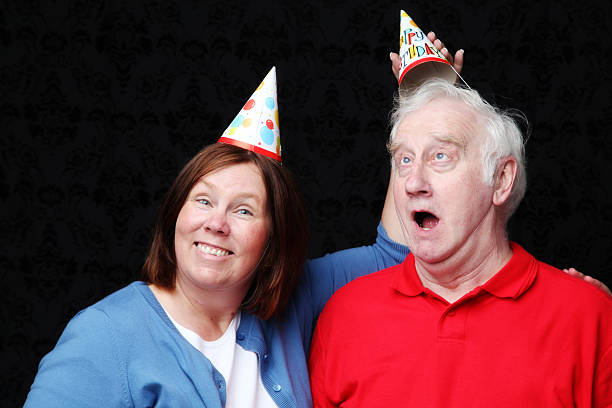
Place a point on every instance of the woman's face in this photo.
(222, 230)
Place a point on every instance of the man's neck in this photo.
(457, 276)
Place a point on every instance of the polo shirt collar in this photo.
(514, 279)
(406, 280)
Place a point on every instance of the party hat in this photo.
(256, 125)
(420, 59)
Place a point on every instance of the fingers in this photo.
(598, 284)
(432, 36)
(458, 64)
(588, 279)
(439, 45)
(457, 61)
(574, 272)
(395, 64)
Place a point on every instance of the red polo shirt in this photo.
(532, 336)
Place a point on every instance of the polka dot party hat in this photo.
(420, 59)
(256, 125)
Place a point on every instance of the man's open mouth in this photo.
(425, 220)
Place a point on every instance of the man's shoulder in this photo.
(569, 289)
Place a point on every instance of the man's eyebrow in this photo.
(451, 139)
(392, 147)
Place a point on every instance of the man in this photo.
(469, 318)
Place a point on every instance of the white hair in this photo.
(503, 138)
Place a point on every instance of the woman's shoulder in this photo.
(116, 315)
(126, 297)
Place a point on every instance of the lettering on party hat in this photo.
(255, 127)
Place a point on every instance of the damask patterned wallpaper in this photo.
(102, 102)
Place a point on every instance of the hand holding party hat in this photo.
(256, 125)
(420, 59)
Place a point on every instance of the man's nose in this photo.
(417, 181)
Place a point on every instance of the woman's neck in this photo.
(208, 315)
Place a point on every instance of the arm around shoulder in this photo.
(389, 218)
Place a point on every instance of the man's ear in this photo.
(504, 180)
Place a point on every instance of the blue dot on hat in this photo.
(267, 135)
(270, 102)
(237, 121)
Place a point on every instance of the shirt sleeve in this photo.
(84, 369)
(329, 273)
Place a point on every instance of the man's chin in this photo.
(434, 250)
(429, 255)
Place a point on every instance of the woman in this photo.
(228, 236)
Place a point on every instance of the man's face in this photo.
(443, 202)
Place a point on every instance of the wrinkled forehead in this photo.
(444, 120)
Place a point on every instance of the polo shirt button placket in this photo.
(451, 325)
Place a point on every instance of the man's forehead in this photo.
(439, 121)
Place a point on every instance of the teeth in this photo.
(212, 251)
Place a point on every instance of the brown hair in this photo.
(282, 261)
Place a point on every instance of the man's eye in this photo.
(405, 160)
(441, 156)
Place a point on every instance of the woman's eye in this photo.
(203, 201)
(243, 211)
(405, 160)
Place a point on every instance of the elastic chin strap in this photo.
(397, 214)
(460, 77)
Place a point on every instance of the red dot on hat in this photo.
(249, 105)
(269, 124)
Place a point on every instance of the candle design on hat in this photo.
(419, 58)
(256, 125)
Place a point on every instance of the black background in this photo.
(102, 102)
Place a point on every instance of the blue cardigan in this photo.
(123, 351)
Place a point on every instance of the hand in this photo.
(588, 279)
(457, 62)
